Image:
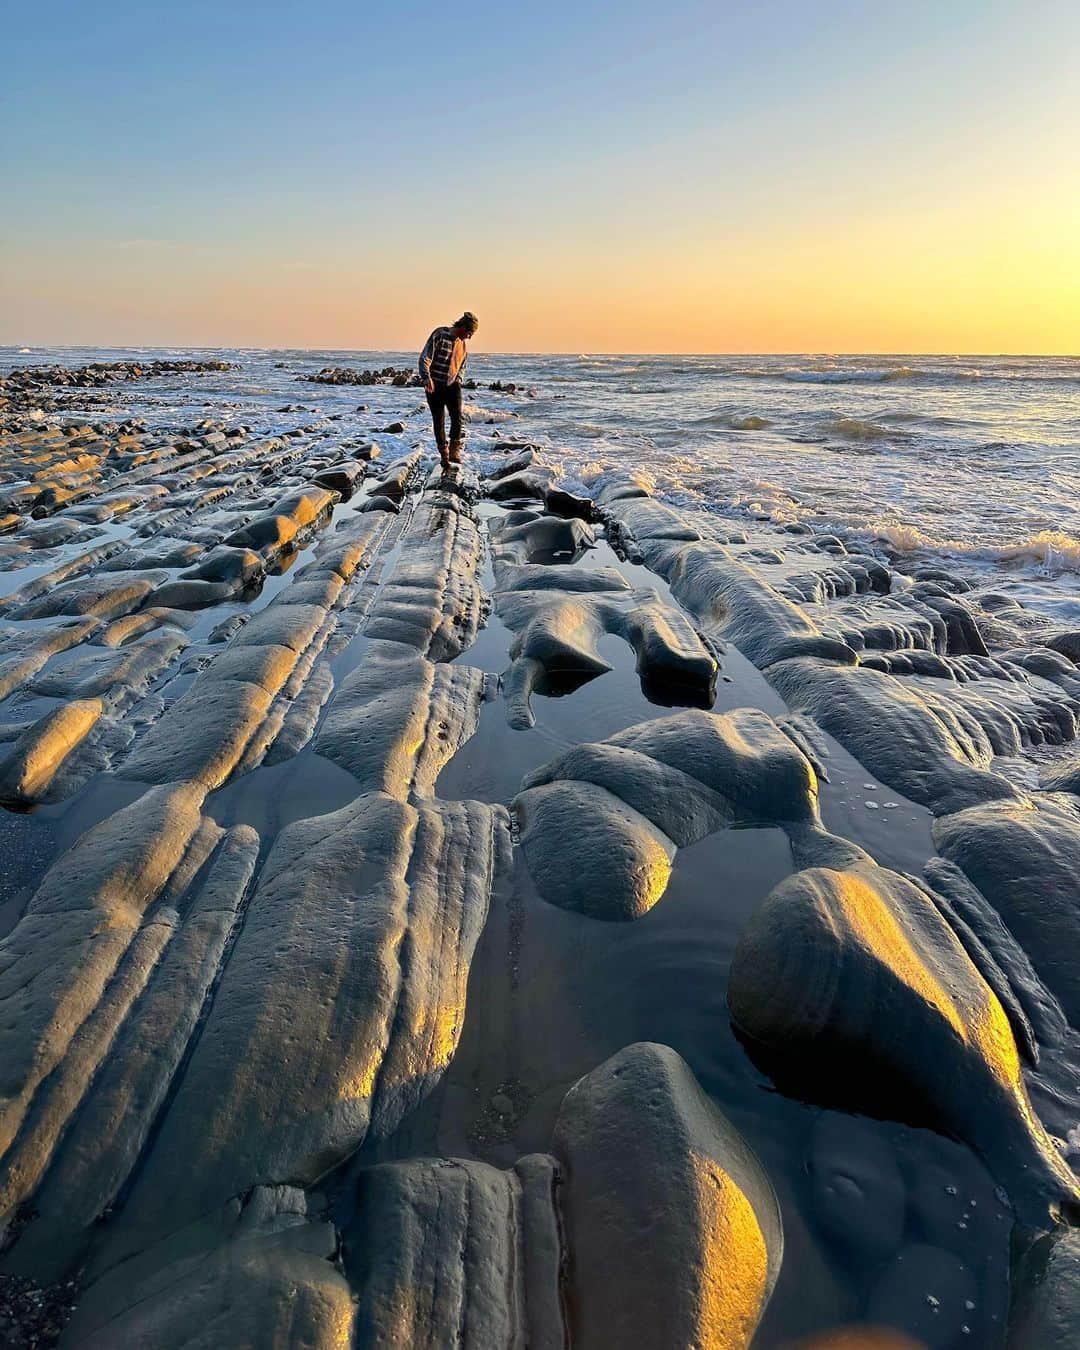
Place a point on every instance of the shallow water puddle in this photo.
(272, 796)
(28, 847)
(883, 1221)
(854, 804)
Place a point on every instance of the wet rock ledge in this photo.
(273, 949)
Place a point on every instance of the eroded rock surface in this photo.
(340, 1007)
(398, 718)
(634, 1135)
(58, 960)
(261, 1272)
(557, 632)
(1046, 1293)
(1024, 860)
(242, 924)
(858, 970)
(601, 823)
(650, 1208)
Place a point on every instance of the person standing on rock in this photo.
(442, 364)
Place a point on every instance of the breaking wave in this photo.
(874, 375)
(735, 421)
(1051, 551)
(475, 413)
(856, 429)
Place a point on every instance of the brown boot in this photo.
(444, 458)
(455, 452)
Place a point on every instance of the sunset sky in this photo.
(786, 175)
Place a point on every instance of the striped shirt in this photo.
(444, 357)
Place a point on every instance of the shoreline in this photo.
(254, 660)
(971, 473)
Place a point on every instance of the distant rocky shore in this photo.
(392, 375)
(32, 385)
(401, 379)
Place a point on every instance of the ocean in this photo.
(973, 461)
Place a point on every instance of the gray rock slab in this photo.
(1045, 1308)
(545, 538)
(343, 478)
(345, 550)
(527, 484)
(742, 755)
(558, 633)
(290, 515)
(23, 653)
(673, 1228)
(339, 1009)
(38, 754)
(511, 576)
(396, 477)
(619, 864)
(679, 806)
(649, 519)
(432, 600)
(736, 603)
(201, 737)
(398, 718)
(108, 672)
(282, 624)
(446, 1251)
(1024, 859)
(241, 565)
(266, 664)
(857, 973)
(102, 1145)
(98, 597)
(259, 1273)
(919, 743)
(58, 959)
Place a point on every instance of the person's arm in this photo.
(425, 362)
(457, 369)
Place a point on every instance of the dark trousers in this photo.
(446, 398)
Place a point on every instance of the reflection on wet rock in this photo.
(599, 825)
(1024, 860)
(339, 1009)
(857, 970)
(558, 634)
(293, 1004)
(649, 1223)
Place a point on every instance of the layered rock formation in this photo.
(661, 1220)
(265, 932)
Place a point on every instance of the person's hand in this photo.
(429, 386)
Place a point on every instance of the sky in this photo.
(773, 175)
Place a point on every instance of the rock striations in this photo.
(242, 681)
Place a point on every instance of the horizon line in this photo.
(27, 349)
